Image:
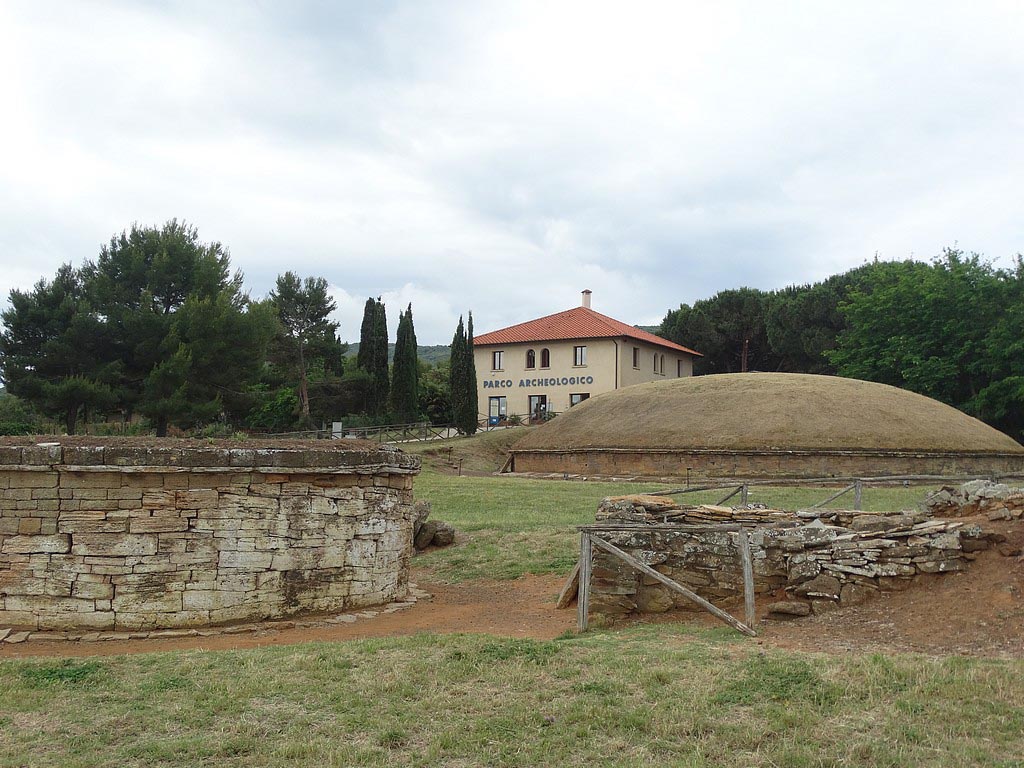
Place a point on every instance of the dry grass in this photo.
(765, 411)
(661, 695)
(655, 695)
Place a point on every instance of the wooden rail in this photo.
(588, 541)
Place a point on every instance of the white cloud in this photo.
(500, 157)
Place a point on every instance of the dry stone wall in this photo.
(801, 564)
(119, 537)
(998, 501)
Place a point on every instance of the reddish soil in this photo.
(979, 612)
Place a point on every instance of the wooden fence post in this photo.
(749, 614)
(857, 494)
(673, 585)
(583, 595)
(731, 493)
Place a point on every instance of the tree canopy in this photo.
(55, 351)
(373, 355)
(462, 379)
(950, 329)
(306, 334)
(405, 380)
(156, 324)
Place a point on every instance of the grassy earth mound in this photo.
(765, 411)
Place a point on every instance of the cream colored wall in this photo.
(629, 375)
(601, 354)
(600, 367)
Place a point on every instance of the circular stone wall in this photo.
(766, 425)
(126, 535)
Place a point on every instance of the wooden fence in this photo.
(589, 539)
(579, 585)
(855, 485)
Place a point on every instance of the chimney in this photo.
(586, 298)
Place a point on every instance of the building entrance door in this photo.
(497, 410)
(538, 408)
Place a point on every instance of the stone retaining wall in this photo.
(763, 464)
(801, 566)
(120, 537)
(998, 501)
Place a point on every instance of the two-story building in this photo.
(550, 364)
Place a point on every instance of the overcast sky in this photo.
(501, 156)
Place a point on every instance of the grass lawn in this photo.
(509, 526)
(657, 695)
(650, 695)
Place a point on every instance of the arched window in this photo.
(531, 359)
(662, 365)
(545, 358)
(655, 362)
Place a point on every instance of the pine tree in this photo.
(405, 378)
(54, 350)
(304, 308)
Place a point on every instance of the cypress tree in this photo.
(462, 381)
(469, 381)
(405, 378)
(379, 362)
(365, 354)
(373, 354)
(455, 375)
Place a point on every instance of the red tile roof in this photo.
(576, 323)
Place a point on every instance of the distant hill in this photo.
(428, 354)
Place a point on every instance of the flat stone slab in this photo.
(790, 608)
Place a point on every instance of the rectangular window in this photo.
(679, 369)
(497, 360)
(579, 356)
(636, 357)
(578, 398)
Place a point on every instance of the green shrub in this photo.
(17, 417)
(275, 411)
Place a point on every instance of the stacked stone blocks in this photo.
(809, 563)
(121, 538)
